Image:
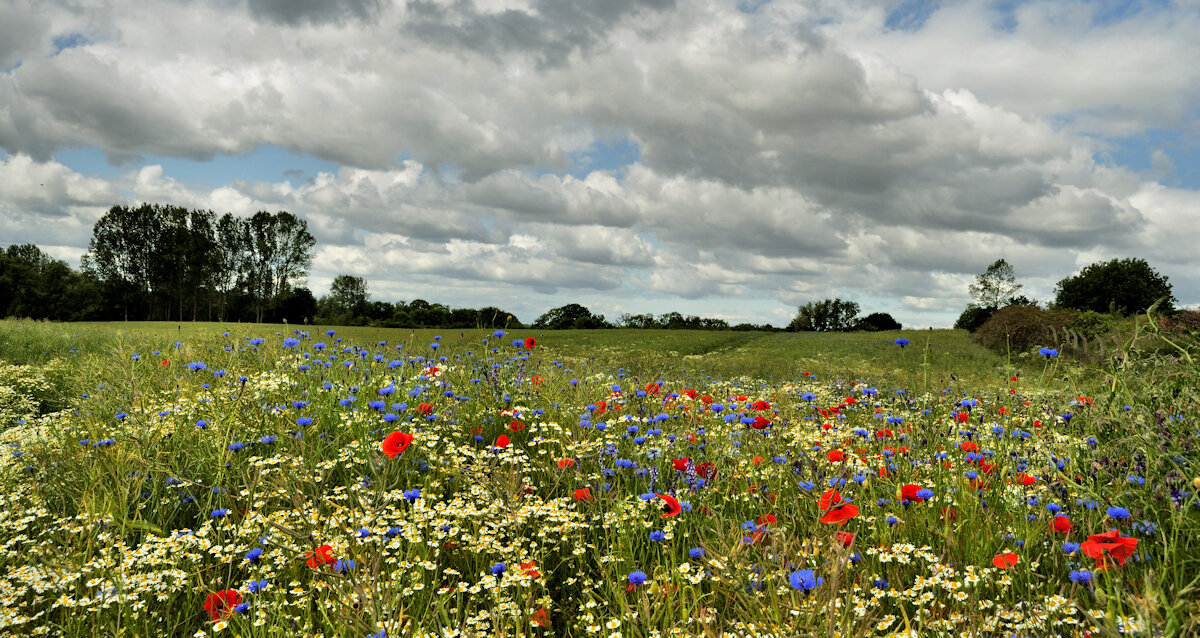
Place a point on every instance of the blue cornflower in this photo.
(925, 494)
(253, 555)
(498, 569)
(412, 495)
(1070, 548)
(303, 421)
(696, 552)
(235, 446)
(636, 578)
(657, 536)
(220, 513)
(241, 608)
(344, 565)
(270, 438)
(1081, 576)
(257, 586)
(805, 580)
(1118, 513)
(901, 342)
(1048, 352)
(881, 583)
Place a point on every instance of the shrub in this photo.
(973, 317)
(1021, 328)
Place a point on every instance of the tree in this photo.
(996, 287)
(827, 315)
(349, 295)
(1127, 286)
(973, 317)
(570, 316)
(279, 256)
(878, 322)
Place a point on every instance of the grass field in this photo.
(259, 480)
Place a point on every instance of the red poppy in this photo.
(761, 405)
(949, 513)
(845, 539)
(502, 441)
(851, 400)
(1025, 479)
(909, 493)
(1005, 560)
(652, 388)
(1061, 524)
(829, 499)
(962, 417)
(839, 515)
(530, 342)
(166, 362)
(396, 443)
(706, 471)
(670, 507)
(706, 399)
(515, 426)
(883, 434)
(760, 423)
(836, 456)
(322, 555)
(583, 494)
(425, 409)
(969, 446)
(691, 394)
(680, 464)
(529, 568)
(1107, 547)
(220, 604)
(766, 519)
(541, 617)
(566, 462)
(757, 460)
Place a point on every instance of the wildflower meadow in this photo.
(260, 480)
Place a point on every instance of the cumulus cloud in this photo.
(783, 152)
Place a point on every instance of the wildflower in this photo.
(913, 493)
(257, 586)
(583, 494)
(1081, 576)
(320, 556)
(636, 578)
(254, 555)
(412, 495)
(502, 441)
(845, 539)
(1048, 352)
(566, 462)
(696, 552)
(529, 569)
(657, 536)
(836, 456)
(1107, 547)
(541, 617)
(344, 565)
(1005, 560)
(901, 342)
(220, 604)
(670, 505)
(1118, 513)
(840, 515)
(830, 498)
(805, 580)
(396, 443)
(1061, 524)
(530, 342)
(220, 513)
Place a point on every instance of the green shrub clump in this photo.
(1021, 328)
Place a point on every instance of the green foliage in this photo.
(1021, 328)
(878, 322)
(572, 316)
(973, 317)
(1126, 286)
(827, 315)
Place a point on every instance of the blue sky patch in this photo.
(266, 163)
(1136, 153)
(605, 154)
(910, 15)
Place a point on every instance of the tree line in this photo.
(167, 263)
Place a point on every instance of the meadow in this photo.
(268, 480)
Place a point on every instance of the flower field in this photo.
(261, 481)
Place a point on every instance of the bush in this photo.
(1093, 324)
(1021, 328)
(973, 317)
(878, 322)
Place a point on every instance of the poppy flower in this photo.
(516, 426)
(680, 464)
(839, 515)
(1025, 479)
(1061, 524)
(845, 539)
(670, 507)
(502, 441)
(541, 617)
(761, 405)
(583, 494)
(530, 342)
(706, 471)
(529, 568)
(830, 498)
(322, 555)
(911, 493)
(396, 443)
(969, 446)
(425, 409)
(1107, 547)
(652, 388)
(836, 456)
(962, 417)
(221, 604)
(766, 519)
(166, 362)
(760, 423)
(706, 399)
(566, 462)
(1005, 560)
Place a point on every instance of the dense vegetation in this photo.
(262, 481)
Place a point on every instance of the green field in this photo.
(170, 480)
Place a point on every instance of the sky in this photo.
(730, 159)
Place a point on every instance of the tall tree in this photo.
(121, 255)
(1127, 286)
(996, 287)
(280, 254)
(826, 315)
